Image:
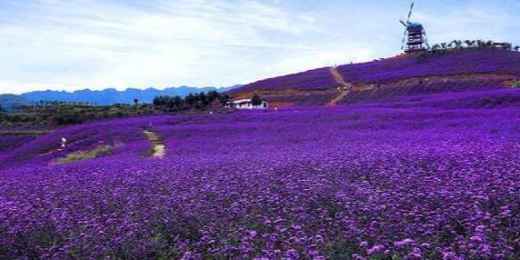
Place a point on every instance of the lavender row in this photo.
(306, 99)
(425, 90)
(10, 142)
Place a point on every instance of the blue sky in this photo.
(76, 44)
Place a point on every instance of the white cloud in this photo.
(75, 44)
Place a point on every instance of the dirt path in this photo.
(158, 146)
(340, 80)
(337, 99)
(344, 88)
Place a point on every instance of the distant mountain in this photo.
(113, 96)
(9, 101)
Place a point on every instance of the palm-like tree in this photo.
(507, 46)
(480, 43)
(458, 44)
(452, 43)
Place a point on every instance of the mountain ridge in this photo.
(106, 96)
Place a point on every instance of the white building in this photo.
(247, 104)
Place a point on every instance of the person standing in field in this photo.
(63, 143)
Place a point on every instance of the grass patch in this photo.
(82, 155)
(26, 132)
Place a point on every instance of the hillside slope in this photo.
(454, 63)
(404, 75)
(318, 79)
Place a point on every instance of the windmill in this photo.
(414, 38)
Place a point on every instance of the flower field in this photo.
(387, 71)
(427, 91)
(462, 62)
(318, 79)
(308, 183)
(317, 98)
(9, 142)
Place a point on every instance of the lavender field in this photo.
(459, 62)
(259, 130)
(314, 183)
(469, 62)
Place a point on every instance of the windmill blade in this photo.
(404, 39)
(405, 25)
(410, 13)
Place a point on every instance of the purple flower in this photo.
(375, 249)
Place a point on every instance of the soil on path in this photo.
(158, 146)
(344, 88)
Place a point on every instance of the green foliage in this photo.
(25, 132)
(200, 101)
(516, 84)
(256, 100)
(467, 44)
(82, 156)
(61, 113)
(58, 113)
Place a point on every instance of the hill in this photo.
(404, 75)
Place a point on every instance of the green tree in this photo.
(256, 100)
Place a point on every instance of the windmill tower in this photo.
(414, 38)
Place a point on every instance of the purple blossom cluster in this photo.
(314, 183)
(460, 62)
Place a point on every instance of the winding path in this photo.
(344, 88)
(338, 98)
(158, 146)
(340, 80)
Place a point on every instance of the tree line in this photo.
(472, 44)
(69, 114)
(57, 113)
(197, 101)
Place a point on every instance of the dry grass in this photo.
(86, 155)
